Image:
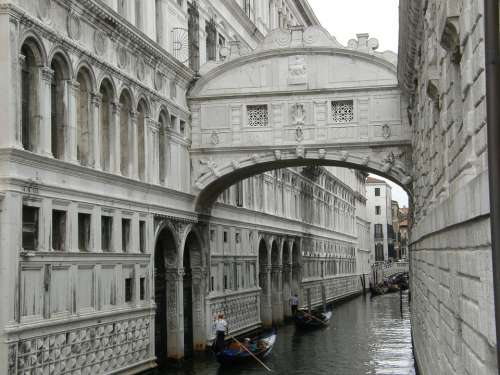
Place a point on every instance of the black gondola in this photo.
(313, 320)
(234, 353)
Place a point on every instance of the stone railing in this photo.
(392, 268)
(383, 270)
(95, 349)
(241, 311)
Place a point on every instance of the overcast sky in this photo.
(346, 18)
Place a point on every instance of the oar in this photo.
(249, 352)
(312, 316)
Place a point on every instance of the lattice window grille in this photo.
(258, 116)
(342, 111)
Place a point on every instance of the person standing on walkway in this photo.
(220, 326)
(294, 302)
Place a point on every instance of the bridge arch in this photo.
(298, 99)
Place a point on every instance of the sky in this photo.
(346, 18)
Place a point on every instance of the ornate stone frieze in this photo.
(96, 349)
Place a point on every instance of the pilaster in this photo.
(45, 138)
(153, 156)
(95, 101)
(175, 313)
(133, 146)
(114, 130)
(73, 88)
(266, 313)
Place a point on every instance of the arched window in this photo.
(141, 123)
(58, 103)
(106, 91)
(83, 117)
(163, 159)
(29, 97)
(125, 108)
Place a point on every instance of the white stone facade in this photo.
(101, 244)
(379, 207)
(442, 70)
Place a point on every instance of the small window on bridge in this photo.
(257, 115)
(342, 111)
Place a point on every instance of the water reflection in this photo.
(364, 337)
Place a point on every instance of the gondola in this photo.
(314, 320)
(260, 346)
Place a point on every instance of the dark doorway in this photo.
(165, 246)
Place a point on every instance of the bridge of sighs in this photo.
(300, 98)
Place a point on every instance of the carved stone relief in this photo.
(214, 138)
(95, 349)
(43, 10)
(297, 70)
(123, 57)
(100, 42)
(158, 80)
(140, 68)
(74, 27)
(298, 114)
(386, 131)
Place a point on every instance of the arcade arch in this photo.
(165, 258)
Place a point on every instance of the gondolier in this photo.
(220, 326)
(294, 302)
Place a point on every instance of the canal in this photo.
(365, 336)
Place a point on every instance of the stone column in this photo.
(73, 88)
(96, 229)
(14, 133)
(133, 147)
(287, 290)
(266, 314)
(277, 291)
(45, 111)
(175, 313)
(114, 134)
(199, 276)
(95, 141)
(148, 150)
(153, 156)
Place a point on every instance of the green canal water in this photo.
(365, 336)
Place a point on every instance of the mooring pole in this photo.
(492, 49)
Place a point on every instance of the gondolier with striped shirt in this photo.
(220, 326)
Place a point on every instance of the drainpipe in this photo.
(492, 48)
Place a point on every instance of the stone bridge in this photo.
(383, 270)
(298, 99)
